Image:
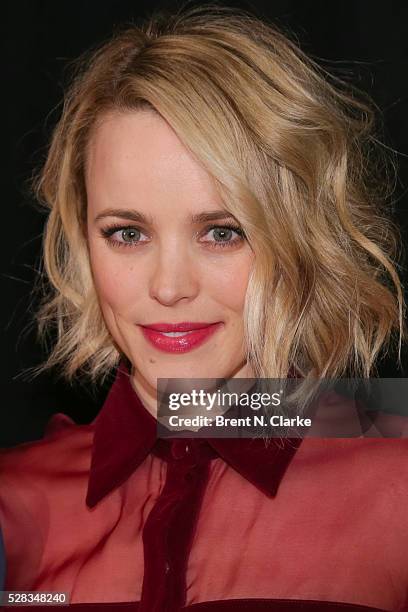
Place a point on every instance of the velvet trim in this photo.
(125, 433)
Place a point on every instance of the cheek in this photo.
(118, 286)
(228, 284)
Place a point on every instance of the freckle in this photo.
(152, 360)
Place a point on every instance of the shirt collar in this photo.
(125, 432)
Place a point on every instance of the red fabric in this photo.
(121, 520)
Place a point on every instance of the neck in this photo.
(148, 394)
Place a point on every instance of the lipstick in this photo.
(179, 337)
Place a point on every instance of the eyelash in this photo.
(107, 233)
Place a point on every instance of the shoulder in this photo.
(65, 447)
(357, 449)
(38, 482)
(377, 463)
(32, 471)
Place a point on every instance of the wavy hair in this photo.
(295, 156)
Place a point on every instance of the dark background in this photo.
(363, 41)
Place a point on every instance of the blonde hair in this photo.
(290, 148)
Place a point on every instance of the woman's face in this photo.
(155, 261)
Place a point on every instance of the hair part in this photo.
(295, 157)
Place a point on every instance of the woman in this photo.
(206, 175)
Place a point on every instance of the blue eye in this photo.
(130, 236)
(223, 232)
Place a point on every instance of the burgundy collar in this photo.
(125, 433)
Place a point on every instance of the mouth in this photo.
(178, 327)
(179, 337)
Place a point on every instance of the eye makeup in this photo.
(109, 231)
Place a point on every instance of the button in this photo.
(167, 567)
(180, 449)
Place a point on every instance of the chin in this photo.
(187, 371)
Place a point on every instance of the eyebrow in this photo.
(138, 217)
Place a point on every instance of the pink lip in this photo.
(173, 327)
(181, 344)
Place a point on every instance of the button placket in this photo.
(177, 508)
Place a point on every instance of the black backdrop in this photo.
(364, 41)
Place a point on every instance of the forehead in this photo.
(138, 154)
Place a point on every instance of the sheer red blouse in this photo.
(121, 520)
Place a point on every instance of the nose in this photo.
(174, 276)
